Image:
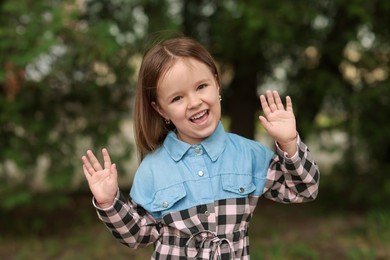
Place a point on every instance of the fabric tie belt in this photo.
(211, 241)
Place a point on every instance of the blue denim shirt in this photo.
(179, 176)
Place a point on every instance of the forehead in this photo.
(185, 69)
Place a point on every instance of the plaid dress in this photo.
(216, 229)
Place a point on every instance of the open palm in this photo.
(103, 182)
(278, 121)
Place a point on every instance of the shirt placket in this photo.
(206, 212)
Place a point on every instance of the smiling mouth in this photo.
(199, 116)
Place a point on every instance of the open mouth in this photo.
(199, 116)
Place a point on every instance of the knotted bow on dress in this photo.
(211, 241)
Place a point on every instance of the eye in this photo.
(175, 99)
(202, 86)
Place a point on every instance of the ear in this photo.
(159, 110)
(217, 82)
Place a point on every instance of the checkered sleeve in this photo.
(292, 180)
(129, 223)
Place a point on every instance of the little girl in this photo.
(197, 186)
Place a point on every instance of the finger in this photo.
(264, 105)
(94, 162)
(114, 171)
(88, 166)
(278, 101)
(106, 158)
(86, 173)
(289, 106)
(271, 101)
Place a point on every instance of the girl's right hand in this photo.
(103, 182)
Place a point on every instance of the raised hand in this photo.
(278, 121)
(103, 182)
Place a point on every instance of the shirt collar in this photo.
(213, 145)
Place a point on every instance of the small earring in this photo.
(167, 121)
(220, 98)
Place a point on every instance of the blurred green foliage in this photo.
(69, 69)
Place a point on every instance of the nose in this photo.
(194, 101)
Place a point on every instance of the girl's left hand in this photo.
(278, 121)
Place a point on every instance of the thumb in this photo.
(264, 122)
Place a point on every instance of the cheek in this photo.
(215, 98)
(218, 108)
(217, 105)
(177, 111)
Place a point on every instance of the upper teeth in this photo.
(198, 115)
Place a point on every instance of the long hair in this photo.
(149, 127)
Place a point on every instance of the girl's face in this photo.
(188, 96)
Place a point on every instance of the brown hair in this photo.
(149, 127)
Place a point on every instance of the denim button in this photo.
(242, 189)
(200, 173)
(165, 204)
(197, 150)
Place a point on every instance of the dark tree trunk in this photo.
(242, 100)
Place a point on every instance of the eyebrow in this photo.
(197, 83)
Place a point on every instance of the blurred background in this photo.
(67, 75)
